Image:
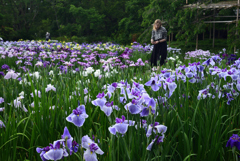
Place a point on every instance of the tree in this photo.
(89, 21)
(130, 26)
(160, 9)
(20, 15)
(186, 23)
(233, 36)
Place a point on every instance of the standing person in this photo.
(159, 40)
(48, 37)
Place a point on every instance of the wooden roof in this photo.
(219, 5)
(227, 22)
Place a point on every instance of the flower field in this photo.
(102, 101)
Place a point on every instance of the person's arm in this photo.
(159, 41)
(162, 40)
(152, 38)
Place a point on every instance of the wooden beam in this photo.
(222, 4)
(236, 25)
(169, 43)
(213, 29)
(225, 16)
(219, 21)
(227, 30)
(196, 41)
(210, 34)
(197, 34)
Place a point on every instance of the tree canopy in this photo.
(122, 21)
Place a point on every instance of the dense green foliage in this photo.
(122, 21)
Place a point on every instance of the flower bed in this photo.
(102, 102)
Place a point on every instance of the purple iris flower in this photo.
(216, 58)
(189, 75)
(112, 87)
(204, 93)
(198, 63)
(71, 144)
(126, 83)
(149, 147)
(85, 91)
(193, 68)
(159, 140)
(1, 124)
(121, 126)
(234, 140)
(77, 69)
(61, 67)
(193, 80)
(143, 124)
(93, 137)
(5, 67)
(92, 149)
(153, 83)
(78, 116)
(167, 75)
(238, 86)
(67, 138)
(136, 84)
(1, 100)
(37, 93)
(224, 70)
(234, 92)
(123, 100)
(50, 87)
(151, 107)
(229, 97)
(171, 86)
(1, 73)
(11, 74)
(55, 152)
(133, 107)
(25, 69)
(133, 93)
(162, 99)
(145, 97)
(42, 151)
(234, 77)
(107, 108)
(101, 95)
(187, 69)
(156, 128)
(74, 148)
(209, 61)
(109, 94)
